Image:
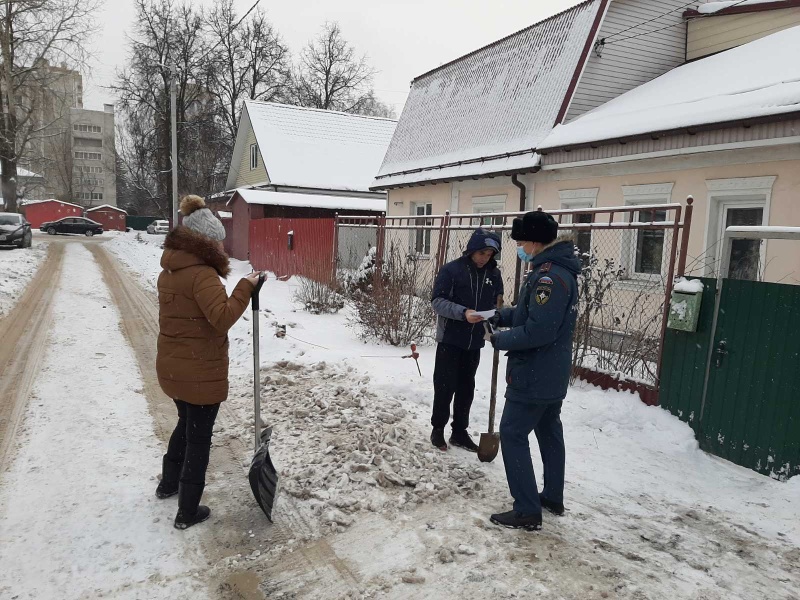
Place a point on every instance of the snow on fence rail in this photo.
(630, 256)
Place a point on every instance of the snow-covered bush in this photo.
(318, 297)
(395, 306)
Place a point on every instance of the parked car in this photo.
(14, 229)
(73, 225)
(158, 226)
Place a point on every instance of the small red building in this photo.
(110, 217)
(42, 211)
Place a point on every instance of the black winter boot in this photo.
(190, 512)
(462, 440)
(437, 439)
(170, 472)
(513, 520)
(553, 507)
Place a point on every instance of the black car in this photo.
(73, 225)
(15, 230)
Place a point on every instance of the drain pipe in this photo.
(518, 275)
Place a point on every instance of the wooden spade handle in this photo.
(493, 394)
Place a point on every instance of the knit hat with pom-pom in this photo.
(197, 217)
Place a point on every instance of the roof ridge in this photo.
(321, 110)
(501, 40)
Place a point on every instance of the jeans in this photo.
(453, 376)
(518, 420)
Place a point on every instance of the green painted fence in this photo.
(750, 411)
(138, 222)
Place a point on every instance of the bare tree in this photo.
(248, 62)
(34, 34)
(331, 76)
(168, 36)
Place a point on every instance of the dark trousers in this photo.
(454, 376)
(190, 443)
(516, 425)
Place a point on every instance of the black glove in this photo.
(488, 330)
(494, 320)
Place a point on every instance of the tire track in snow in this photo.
(78, 517)
(237, 527)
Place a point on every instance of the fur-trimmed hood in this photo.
(185, 248)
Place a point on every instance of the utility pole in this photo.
(173, 96)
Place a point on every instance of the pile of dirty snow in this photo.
(344, 449)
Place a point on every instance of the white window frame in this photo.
(577, 199)
(724, 194)
(634, 195)
(427, 243)
(253, 157)
(484, 205)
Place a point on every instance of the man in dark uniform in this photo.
(464, 286)
(539, 345)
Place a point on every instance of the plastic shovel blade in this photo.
(263, 476)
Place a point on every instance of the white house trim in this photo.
(741, 192)
(652, 193)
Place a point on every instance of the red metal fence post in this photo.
(444, 240)
(379, 248)
(335, 264)
(668, 291)
(685, 231)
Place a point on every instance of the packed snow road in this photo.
(367, 510)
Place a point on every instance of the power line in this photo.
(613, 35)
(604, 41)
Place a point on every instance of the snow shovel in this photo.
(490, 442)
(263, 476)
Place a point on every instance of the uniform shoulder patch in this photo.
(542, 294)
(545, 280)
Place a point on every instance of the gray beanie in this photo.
(198, 218)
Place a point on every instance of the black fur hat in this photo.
(536, 226)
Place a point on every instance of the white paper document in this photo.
(486, 314)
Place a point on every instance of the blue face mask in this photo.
(524, 256)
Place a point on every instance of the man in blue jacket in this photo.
(466, 285)
(539, 345)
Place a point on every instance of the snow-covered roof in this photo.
(500, 100)
(309, 200)
(24, 173)
(30, 202)
(107, 206)
(311, 148)
(758, 79)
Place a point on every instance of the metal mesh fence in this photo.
(628, 257)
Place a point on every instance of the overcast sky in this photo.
(402, 38)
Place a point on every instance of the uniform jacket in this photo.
(539, 343)
(194, 315)
(461, 285)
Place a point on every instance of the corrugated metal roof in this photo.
(305, 147)
(501, 99)
(310, 200)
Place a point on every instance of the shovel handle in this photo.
(493, 394)
(262, 277)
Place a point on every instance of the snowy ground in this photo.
(17, 267)
(78, 518)
(650, 515)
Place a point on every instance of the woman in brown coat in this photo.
(195, 314)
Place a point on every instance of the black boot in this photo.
(462, 440)
(437, 439)
(190, 512)
(170, 472)
(553, 507)
(514, 520)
